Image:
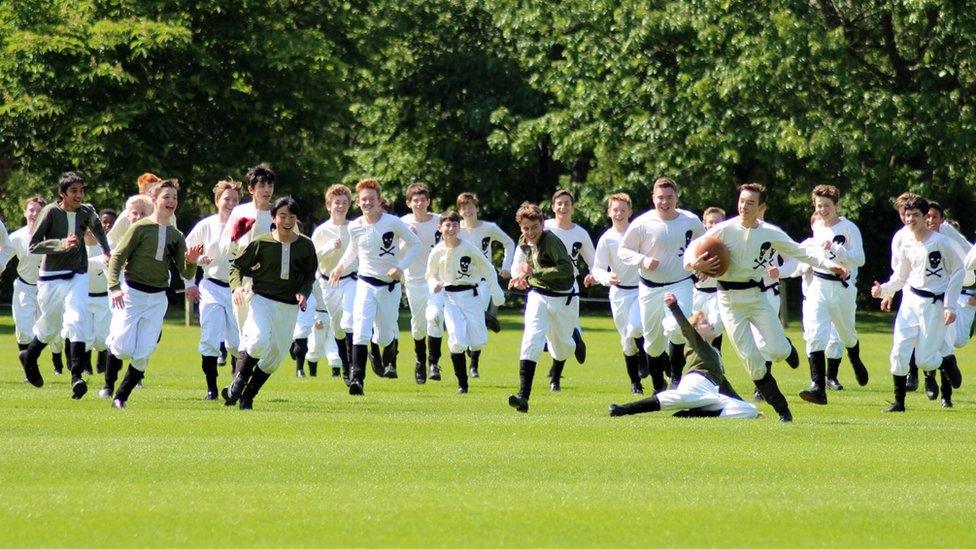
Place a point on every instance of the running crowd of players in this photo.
(91, 282)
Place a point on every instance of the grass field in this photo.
(411, 465)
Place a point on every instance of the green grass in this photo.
(413, 465)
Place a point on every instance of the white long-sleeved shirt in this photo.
(753, 250)
(935, 266)
(607, 262)
(463, 264)
(577, 241)
(378, 247)
(207, 232)
(6, 247)
(262, 225)
(965, 245)
(429, 236)
(324, 238)
(28, 264)
(651, 237)
(97, 281)
(484, 234)
(846, 244)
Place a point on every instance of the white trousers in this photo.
(958, 332)
(657, 323)
(920, 325)
(218, 323)
(549, 320)
(268, 330)
(465, 321)
(137, 326)
(834, 349)
(100, 317)
(744, 311)
(426, 310)
(695, 391)
(339, 301)
(375, 312)
(626, 317)
(63, 308)
(321, 342)
(305, 321)
(25, 311)
(707, 303)
(831, 307)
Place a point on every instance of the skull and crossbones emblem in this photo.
(465, 270)
(681, 250)
(762, 261)
(838, 240)
(437, 237)
(486, 245)
(387, 247)
(935, 265)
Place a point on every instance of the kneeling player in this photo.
(704, 391)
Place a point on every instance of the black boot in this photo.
(357, 371)
(650, 404)
(101, 362)
(833, 366)
(526, 373)
(475, 362)
(931, 385)
(912, 384)
(460, 371)
(313, 369)
(771, 394)
(676, 361)
(299, 350)
(258, 377)
(643, 364)
(28, 359)
(343, 354)
(66, 353)
(222, 359)
(111, 376)
(817, 394)
(557, 374)
(77, 364)
(88, 362)
(390, 360)
(899, 404)
(420, 351)
(951, 369)
(793, 359)
(717, 343)
(233, 364)
(375, 359)
(657, 367)
(630, 362)
(132, 378)
(946, 389)
(434, 348)
(245, 368)
(580, 351)
(860, 371)
(209, 366)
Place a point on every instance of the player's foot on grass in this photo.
(520, 404)
(947, 403)
(229, 399)
(637, 388)
(390, 372)
(336, 372)
(473, 372)
(246, 404)
(786, 417)
(911, 384)
(420, 373)
(895, 407)
(794, 358)
(118, 404)
(356, 388)
(834, 385)
(580, 351)
(861, 373)
(931, 386)
(616, 410)
(78, 388)
(951, 369)
(211, 395)
(31, 370)
(555, 386)
(435, 373)
(814, 397)
(462, 390)
(106, 392)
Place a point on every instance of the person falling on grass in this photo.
(281, 266)
(703, 391)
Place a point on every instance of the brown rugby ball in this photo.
(714, 248)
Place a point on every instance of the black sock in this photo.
(67, 352)
(245, 368)
(87, 363)
(526, 373)
(475, 359)
(375, 357)
(900, 382)
(946, 386)
(676, 360)
(112, 371)
(254, 384)
(460, 369)
(631, 363)
(434, 344)
(833, 366)
(209, 366)
(102, 362)
(420, 350)
(22, 346)
(770, 391)
(313, 368)
(644, 405)
(76, 362)
(658, 363)
(818, 369)
(358, 364)
(301, 349)
(343, 352)
(34, 349)
(132, 378)
(557, 370)
(390, 355)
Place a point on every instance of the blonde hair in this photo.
(336, 190)
(620, 197)
(226, 185)
(467, 198)
(138, 199)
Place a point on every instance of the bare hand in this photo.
(827, 245)
(705, 263)
(439, 286)
(950, 317)
(524, 270)
(337, 243)
(840, 271)
(505, 273)
(118, 299)
(239, 295)
(588, 281)
(335, 275)
(193, 294)
(876, 290)
(204, 260)
(651, 263)
(670, 299)
(106, 258)
(71, 242)
(773, 272)
(614, 280)
(302, 301)
(395, 273)
(971, 301)
(319, 325)
(886, 304)
(194, 253)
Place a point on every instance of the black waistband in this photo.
(218, 282)
(623, 287)
(726, 285)
(832, 276)
(97, 294)
(461, 288)
(966, 290)
(277, 299)
(927, 294)
(549, 293)
(21, 279)
(711, 290)
(146, 288)
(353, 275)
(379, 283)
(650, 284)
(64, 276)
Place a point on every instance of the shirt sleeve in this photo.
(410, 243)
(496, 233)
(789, 248)
(227, 246)
(97, 230)
(6, 247)
(433, 272)
(587, 252)
(629, 250)
(240, 267)
(351, 253)
(851, 253)
(953, 259)
(487, 271)
(601, 262)
(38, 243)
(123, 250)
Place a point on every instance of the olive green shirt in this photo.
(278, 271)
(51, 231)
(552, 267)
(145, 252)
(699, 354)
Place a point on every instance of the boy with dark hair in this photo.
(62, 283)
(426, 309)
